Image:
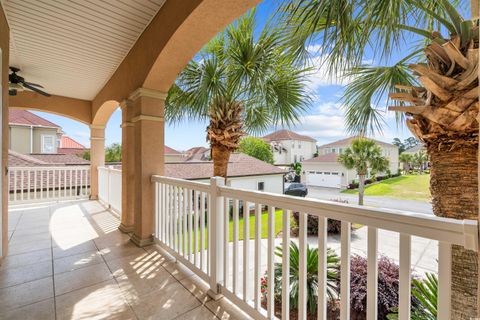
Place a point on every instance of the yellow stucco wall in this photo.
(20, 139)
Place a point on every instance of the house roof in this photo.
(286, 135)
(239, 165)
(68, 143)
(24, 117)
(348, 141)
(419, 147)
(196, 153)
(169, 150)
(16, 159)
(329, 157)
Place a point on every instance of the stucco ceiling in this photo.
(73, 47)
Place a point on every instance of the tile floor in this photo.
(69, 261)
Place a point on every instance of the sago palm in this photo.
(434, 86)
(363, 155)
(242, 83)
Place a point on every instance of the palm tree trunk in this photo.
(220, 157)
(454, 189)
(361, 188)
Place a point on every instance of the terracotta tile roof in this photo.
(24, 117)
(348, 141)
(239, 165)
(79, 151)
(68, 143)
(329, 157)
(286, 135)
(169, 150)
(60, 159)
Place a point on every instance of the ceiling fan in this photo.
(17, 83)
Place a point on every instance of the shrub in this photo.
(312, 277)
(387, 287)
(424, 299)
(333, 226)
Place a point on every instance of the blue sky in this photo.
(324, 120)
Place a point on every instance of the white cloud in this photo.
(320, 77)
(82, 137)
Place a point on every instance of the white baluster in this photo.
(404, 277)
(195, 227)
(372, 273)
(444, 280)
(322, 269)
(271, 265)
(286, 265)
(202, 231)
(302, 283)
(345, 271)
(258, 254)
(246, 249)
(226, 260)
(236, 259)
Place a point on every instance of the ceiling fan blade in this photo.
(32, 84)
(26, 85)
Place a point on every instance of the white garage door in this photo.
(324, 179)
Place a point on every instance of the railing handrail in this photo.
(454, 231)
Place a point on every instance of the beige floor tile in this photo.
(122, 250)
(24, 247)
(112, 239)
(43, 310)
(199, 313)
(139, 262)
(16, 239)
(77, 261)
(178, 270)
(13, 276)
(224, 309)
(197, 287)
(73, 280)
(26, 293)
(135, 285)
(101, 301)
(18, 260)
(61, 252)
(166, 303)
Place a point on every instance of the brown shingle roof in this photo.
(24, 117)
(239, 165)
(329, 157)
(348, 141)
(60, 159)
(286, 135)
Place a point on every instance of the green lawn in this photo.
(264, 225)
(410, 187)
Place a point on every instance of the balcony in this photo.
(68, 258)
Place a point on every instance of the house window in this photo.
(295, 158)
(293, 144)
(299, 145)
(48, 144)
(261, 186)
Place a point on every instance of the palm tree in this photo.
(241, 83)
(419, 159)
(406, 160)
(363, 155)
(434, 87)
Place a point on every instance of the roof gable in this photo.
(24, 117)
(68, 143)
(287, 135)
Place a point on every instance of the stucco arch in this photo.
(76, 109)
(103, 114)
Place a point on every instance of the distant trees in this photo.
(406, 144)
(257, 148)
(113, 153)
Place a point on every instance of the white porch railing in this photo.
(36, 184)
(188, 213)
(110, 187)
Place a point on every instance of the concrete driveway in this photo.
(379, 202)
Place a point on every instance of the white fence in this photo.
(110, 188)
(192, 223)
(35, 184)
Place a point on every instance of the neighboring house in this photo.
(29, 133)
(244, 172)
(16, 159)
(326, 171)
(289, 147)
(172, 155)
(70, 146)
(197, 153)
(416, 149)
